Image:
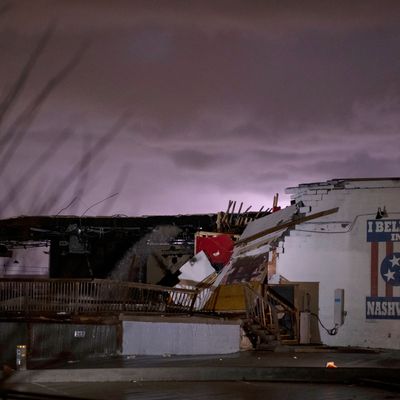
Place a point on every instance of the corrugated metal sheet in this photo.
(11, 335)
(73, 340)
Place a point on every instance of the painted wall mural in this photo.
(384, 300)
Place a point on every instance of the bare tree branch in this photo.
(34, 167)
(14, 205)
(120, 182)
(83, 178)
(82, 165)
(47, 183)
(38, 195)
(19, 128)
(16, 89)
(15, 134)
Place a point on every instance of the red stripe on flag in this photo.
(389, 288)
(374, 269)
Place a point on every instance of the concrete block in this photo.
(308, 197)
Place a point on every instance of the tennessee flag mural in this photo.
(383, 302)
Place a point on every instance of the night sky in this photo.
(179, 106)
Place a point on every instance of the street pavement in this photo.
(289, 372)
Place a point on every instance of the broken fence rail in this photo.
(261, 311)
(72, 296)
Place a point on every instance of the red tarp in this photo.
(218, 248)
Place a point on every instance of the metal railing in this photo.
(91, 296)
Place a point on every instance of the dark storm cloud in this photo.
(356, 165)
(199, 160)
(254, 15)
(279, 155)
(227, 98)
(174, 72)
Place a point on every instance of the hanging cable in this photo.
(67, 206)
(97, 203)
(332, 331)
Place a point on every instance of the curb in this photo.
(266, 374)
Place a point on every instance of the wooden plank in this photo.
(288, 225)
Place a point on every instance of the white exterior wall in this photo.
(337, 255)
(160, 338)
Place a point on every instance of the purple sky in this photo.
(226, 100)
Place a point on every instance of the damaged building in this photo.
(102, 275)
(334, 254)
(353, 254)
(324, 270)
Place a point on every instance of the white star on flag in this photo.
(395, 261)
(389, 275)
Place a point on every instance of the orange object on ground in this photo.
(330, 364)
